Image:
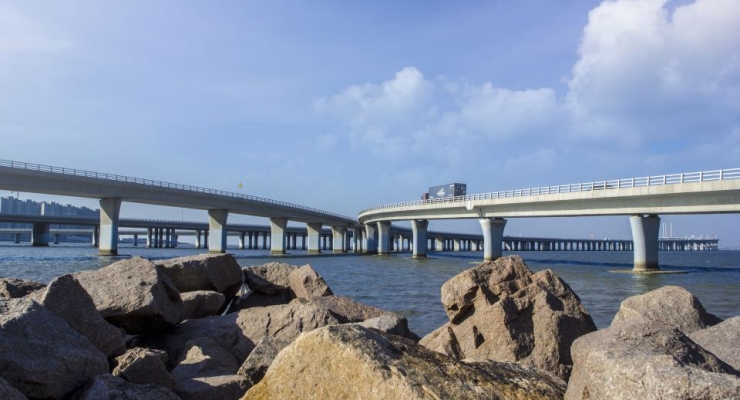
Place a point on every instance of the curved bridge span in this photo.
(642, 199)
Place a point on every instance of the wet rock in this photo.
(107, 386)
(305, 282)
(8, 392)
(260, 359)
(511, 315)
(134, 295)
(350, 361)
(11, 288)
(645, 359)
(723, 340)
(270, 278)
(144, 366)
(66, 298)
(214, 272)
(208, 371)
(201, 303)
(40, 355)
(670, 305)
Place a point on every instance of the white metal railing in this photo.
(703, 176)
(149, 182)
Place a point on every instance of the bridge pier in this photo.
(645, 230)
(110, 209)
(95, 236)
(40, 234)
(241, 240)
(338, 233)
(277, 235)
(216, 236)
(371, 238)
(493, 235)
(419, 240)
(17, 238)
(384, 230)
(313, 229)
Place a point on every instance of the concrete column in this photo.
(217, 230)
(645, 231)
(338, 233)
(277, 235)
(109, 210)
(313, 230)
(439, 244)
(355, 240)
(197, 239)
(493, 234)
(40, 234)
(371, 238)
(205, 239)
(56, 238)
(136, 240)
(456, 244)
(419, 238)
(95, 236)
(17, 238)
(241, 240)
(384, 232)
(149, 237)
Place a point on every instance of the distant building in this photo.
(12, 205)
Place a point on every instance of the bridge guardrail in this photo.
(658, 180)
(149, 182)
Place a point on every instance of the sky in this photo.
(346, 105)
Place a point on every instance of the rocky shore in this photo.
(203, 327)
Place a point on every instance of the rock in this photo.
(645, 359)
(201, 303)
(257, 299)
(66, 298)
(144, 366)
(208, 371)
(11, 288)
(261, 358)
(133, 294)
(394, 325)
(671, 305)
(722, 340)
(534, 325)
(40, 355)
(270, 278)
(214, 272)
(488, 280)
(305, 282)
(8, 392)
(107, 386)
(352, 362)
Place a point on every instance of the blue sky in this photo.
(347, 105)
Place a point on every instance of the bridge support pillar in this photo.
(371, 238)
(493, 235)
(439, 244)
(645, 231)
(17, 238)
(419, 240)
(95, 236)
(149, 237)
(40, 234)
(110, 208)
(339, 244)
(313, 229)
(384, 237)
(56, 238)
(136, 240)
(216, 235)
(277, 235)
(241, 240)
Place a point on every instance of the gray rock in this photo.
(270, 278)
(66, 298)
(11, 288)
(40, 355)
(8, 392)
(257, 299)
(208, 371)
(110, 387)
(645, 359)
(134, 295)
(283, 322)
(215, 272)
(394, 325)
(260, 359)
(201, 303)
(305, 282)
(144, 366)
(352, 362)
(670, 305)
(723, 340)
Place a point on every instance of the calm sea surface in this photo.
(411, 287)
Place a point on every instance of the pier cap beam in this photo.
(419, 240)
(110, 209)
(216, 236)
(493, 236)
(645, 231)
(277, 235)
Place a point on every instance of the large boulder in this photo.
(11, 288)
(511, 315)
(208, 371)
(201, 303)
(8, 392)
(670, 305)
(216, 272)
(260, 359)
(111, 387)
(305, 282)
(144, 366)
(723, 340)
(135, 295)
(646, 359)
(270, 278)
(65, 297)
(40, 355)
(353, 362)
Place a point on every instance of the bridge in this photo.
(642, 199)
